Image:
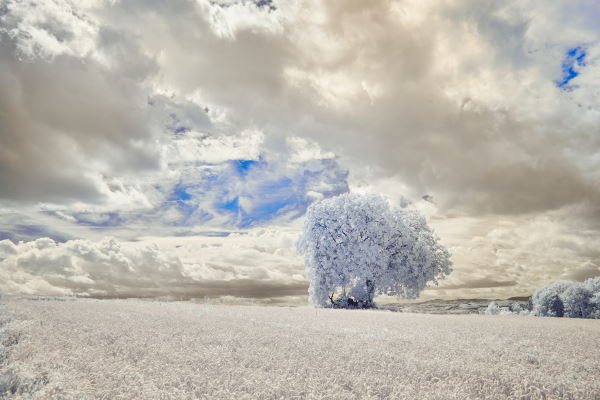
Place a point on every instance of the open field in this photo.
(90, 349)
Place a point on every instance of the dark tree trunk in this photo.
(370, 292)
(331, 297)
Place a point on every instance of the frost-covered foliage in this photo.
(495, 309)
(492, 309)
(357, 247)
(149, 350)
(546, 300)
(568, 299)
(516, 308)
(576, 300)
(593, 284)
(595, 306)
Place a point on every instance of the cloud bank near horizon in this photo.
(260, 264)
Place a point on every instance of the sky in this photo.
(170, 149)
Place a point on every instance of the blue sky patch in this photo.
(573, 62)
(266, 4)
(27, 233)
(233, 194)
(243, 166)
(231, 205)
(246, 193)
(180, 193)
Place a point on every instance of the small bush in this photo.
(492, 309)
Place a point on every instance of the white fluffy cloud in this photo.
(82, 267)
(259, 264)
(499, 257)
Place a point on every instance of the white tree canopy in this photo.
(360, 243)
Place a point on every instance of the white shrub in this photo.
(595, 306)
(568, 299)
(492, 309)
(516, 308)
(547, 301)
(576, 300)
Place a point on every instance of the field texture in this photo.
(151, 350)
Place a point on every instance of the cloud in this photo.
(460, 103)
(503, 257)
(264, 267)
(452, 99)
(19, 232)
(66, 124)
(219, 182)
(233, 114)
(86, 268)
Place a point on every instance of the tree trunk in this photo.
(370, 292)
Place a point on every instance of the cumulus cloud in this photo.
(86, 268)
(67, 123)
(503, 257)
(260, 264)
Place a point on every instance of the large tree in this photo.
(357, 247)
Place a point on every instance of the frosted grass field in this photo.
(152, 350)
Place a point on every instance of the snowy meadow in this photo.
(110, 349)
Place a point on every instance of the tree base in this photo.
(350, 303)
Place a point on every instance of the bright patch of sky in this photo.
(571, 66)
(246, 193)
